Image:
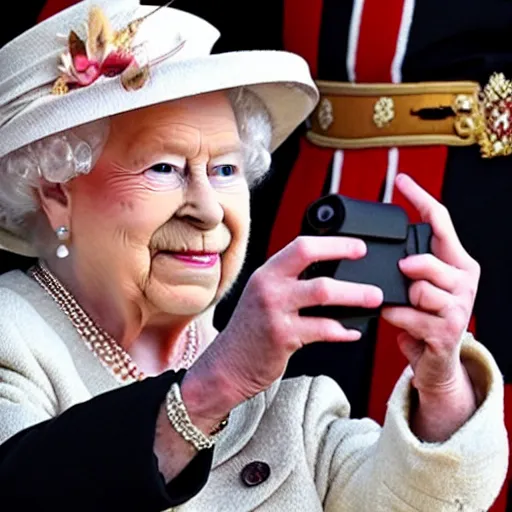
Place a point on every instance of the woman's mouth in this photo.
(197, 259)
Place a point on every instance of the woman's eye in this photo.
(163, 168)
(164, 176)
(224, 171)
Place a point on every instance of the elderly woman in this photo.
(127, 174)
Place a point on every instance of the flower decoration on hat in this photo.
(105, 53)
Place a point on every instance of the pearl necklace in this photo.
(102, 345)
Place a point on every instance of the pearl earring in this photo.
(62, 234)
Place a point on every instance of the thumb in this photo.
(410, 347)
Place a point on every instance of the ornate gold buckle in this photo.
(488, 118)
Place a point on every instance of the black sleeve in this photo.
(98, 456)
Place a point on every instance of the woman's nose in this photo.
(202, 206)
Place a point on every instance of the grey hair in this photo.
(57, 159)
(63, 156)
(255, 130)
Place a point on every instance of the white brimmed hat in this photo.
(36, 101)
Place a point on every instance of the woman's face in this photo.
(163, 219)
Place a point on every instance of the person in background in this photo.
(125, 171)
(384, 51)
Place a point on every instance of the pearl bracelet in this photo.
(181, 422)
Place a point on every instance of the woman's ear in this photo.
(55, 201)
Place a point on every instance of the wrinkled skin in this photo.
(266, 329)
(171, 180)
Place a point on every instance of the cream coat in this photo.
(319, 458)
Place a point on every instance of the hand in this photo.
(266, 329)
(442, 294)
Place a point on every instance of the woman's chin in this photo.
(182, 300)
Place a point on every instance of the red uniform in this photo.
(396, 41)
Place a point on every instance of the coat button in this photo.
(255, 473)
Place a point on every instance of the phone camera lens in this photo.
(325, 213)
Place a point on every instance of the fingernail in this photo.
(353, 334)
(356, 247)
(400, 178)
(375, 295)
(360, 246)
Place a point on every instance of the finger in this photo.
(312, 329)
(436, 214)
(427, 297)
(418, 324)
(410, 347)
(428, 267)
(305, 250)
(324, 291)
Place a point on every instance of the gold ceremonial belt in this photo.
(356, 116)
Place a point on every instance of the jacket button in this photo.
(255, 473)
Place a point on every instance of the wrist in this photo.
(442, 410)
(455, 390)
(205, 394)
